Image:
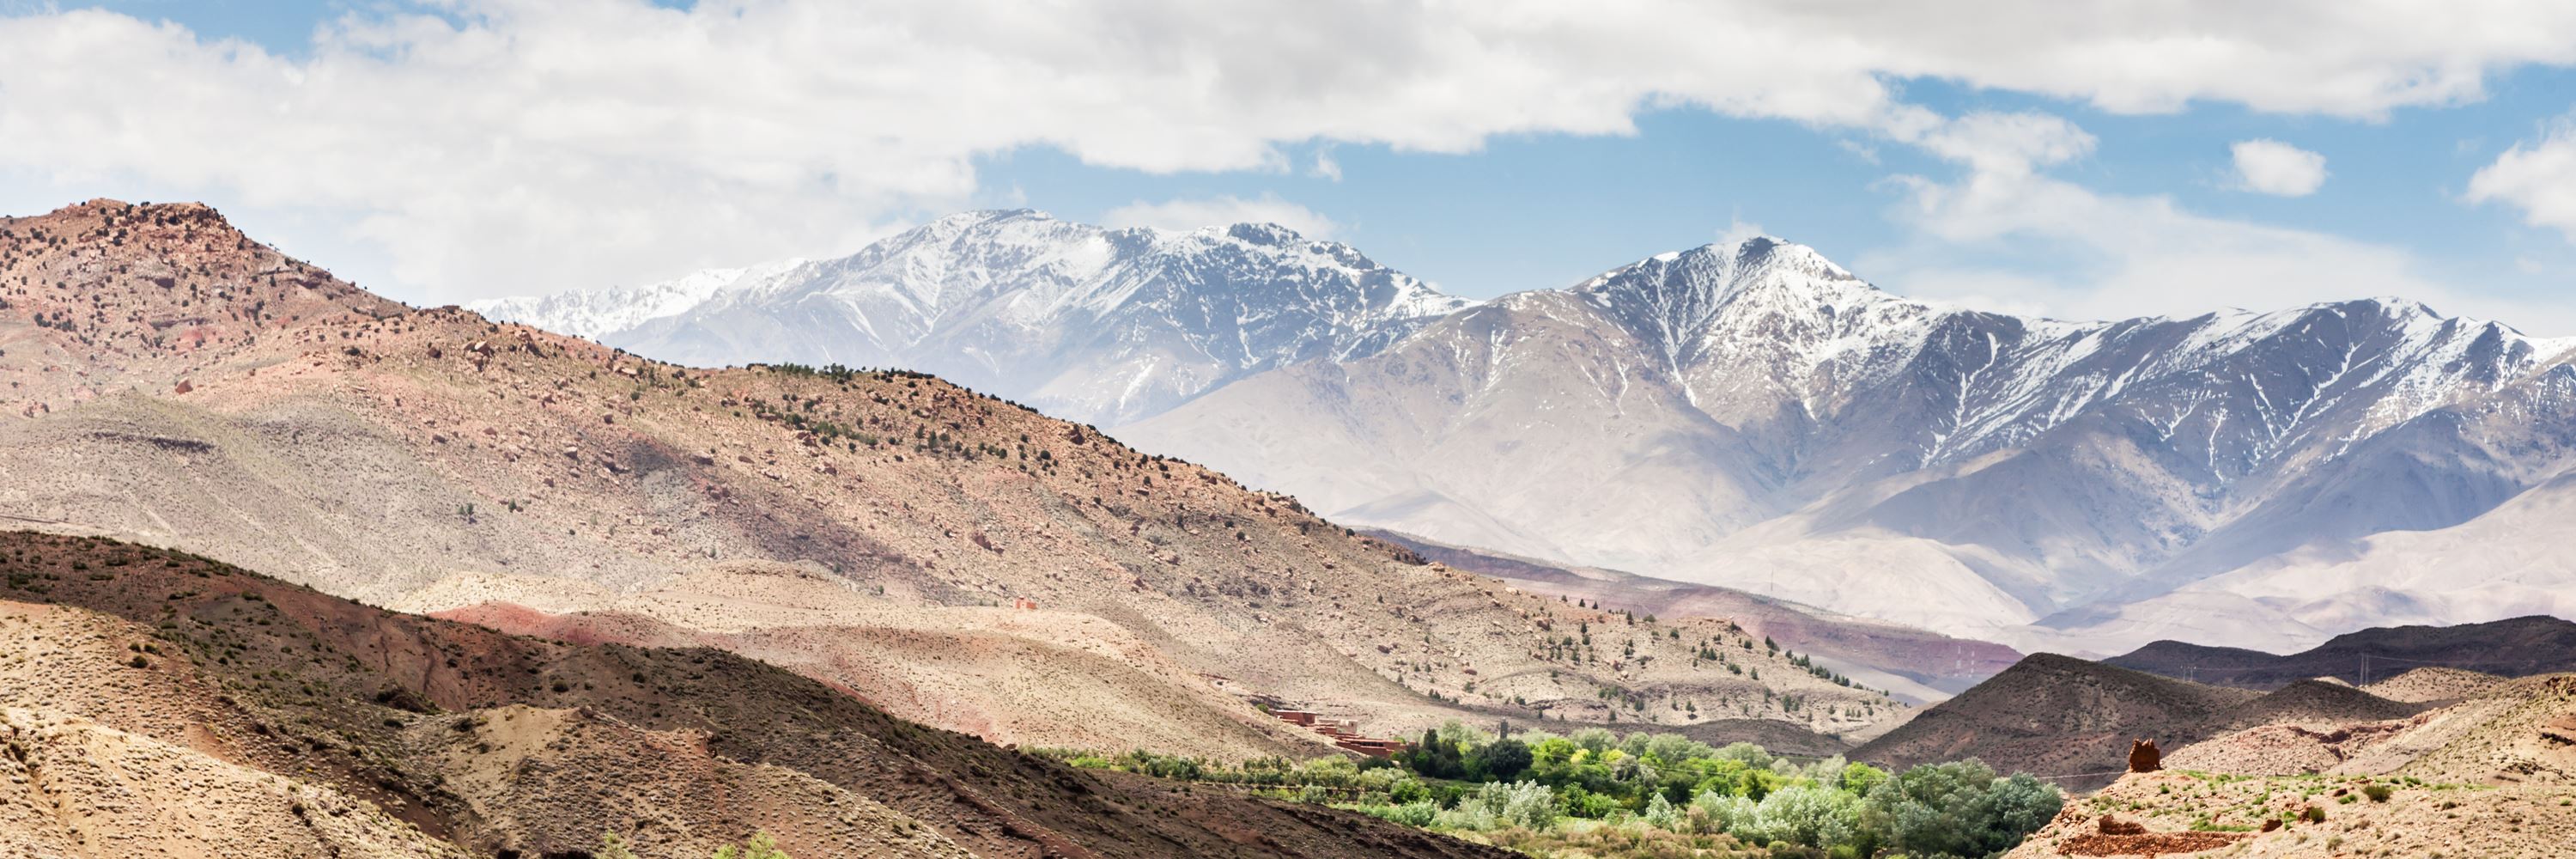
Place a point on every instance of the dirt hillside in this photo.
(2474, 766)
(2072, 720)
(396, 734)
(2311, 817)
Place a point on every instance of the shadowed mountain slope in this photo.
(2508, 648)
(503, 744)
(2071, 720)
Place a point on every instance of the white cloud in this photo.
(2538, 178)
(1989, 142)
(1326, 167)
(1190, 214)
(495, 146)
(2123, 256)
(1738, 231)
(2272, 167)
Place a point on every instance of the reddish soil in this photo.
(497, 742)
(2147, 844)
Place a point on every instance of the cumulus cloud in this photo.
(2280, 169)
(497, 146)
(1990, 142)
(1190, 214)
(2144, 255)
(2537, 177)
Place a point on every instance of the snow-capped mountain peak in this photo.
(596, 314)
(1088, 322)
(1751, 414)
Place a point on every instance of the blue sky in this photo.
(1543, 175)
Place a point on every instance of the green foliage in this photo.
(1500, 760)
(1797, 814)
(760, 846)
(1861, 778)
(1959, 809)
(1645, 794)
(613, 846)
(1418, 814)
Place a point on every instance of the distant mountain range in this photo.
(1092, 324)
(1749, 415)
(2515, 647)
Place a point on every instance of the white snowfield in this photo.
(1750, 415)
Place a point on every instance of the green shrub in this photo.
(760, 846)
(1414, 814)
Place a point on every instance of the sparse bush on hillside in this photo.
(613, 846)
(760, 846)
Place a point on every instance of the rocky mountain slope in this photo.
(2062, 718)
(1755, 416)
(1749, 415)
(2072, 720)
(174, 383)
(2508, 648)
(1091, 324)
(164, 704)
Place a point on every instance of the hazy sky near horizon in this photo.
(2076, 159)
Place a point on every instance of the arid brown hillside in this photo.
(2072, 720)
(174, 383)
(2490, 772)
(337, 724)
(2180, 813)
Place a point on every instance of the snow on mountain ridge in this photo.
(1773, 320)
(1729, 409)
(596, 313)
(1087, 322)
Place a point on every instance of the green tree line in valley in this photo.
(1596, 793)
